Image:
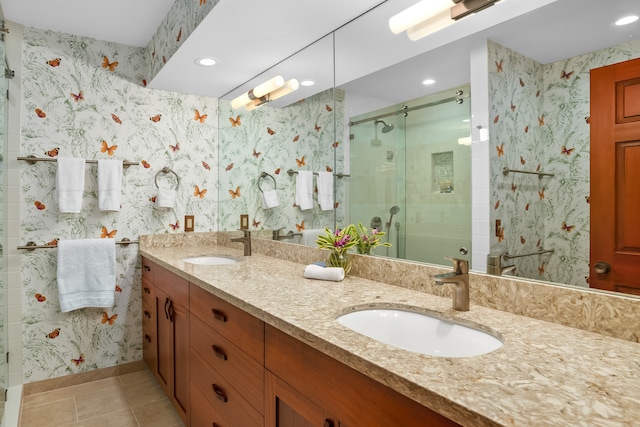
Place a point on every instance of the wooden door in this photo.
(164, 330)
(180, 384)
(287, 407)
(615, 177)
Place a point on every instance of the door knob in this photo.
(602, 267)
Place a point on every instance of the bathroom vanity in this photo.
(264, 349)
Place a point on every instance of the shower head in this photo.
(386, 127)
(394, 210)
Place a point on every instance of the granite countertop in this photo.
(544, 375)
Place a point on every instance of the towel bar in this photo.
(337, 175)
(32, 245)
(33, 159)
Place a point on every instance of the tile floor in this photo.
(131, 400)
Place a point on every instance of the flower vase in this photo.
(339, 259)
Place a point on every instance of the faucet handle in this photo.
(460, 266)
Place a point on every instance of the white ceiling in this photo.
(250, 36)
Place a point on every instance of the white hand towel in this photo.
(86, 273)
(269, 199)
(109, 185)
(70, 184)
(334, 274)
(304, 190)
(309, 237)
(325, 190)
(165, 199)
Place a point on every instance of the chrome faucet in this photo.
(245, 240)
(494, 264)
(277, 236)
(460, 278)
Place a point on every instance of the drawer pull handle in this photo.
(219, 393)
(147, 291)
(214, 424)
(218, 351)
(328, 422)
(146, 268)
(166, 304)
(147, 314)
(147, 337)
(218, 315)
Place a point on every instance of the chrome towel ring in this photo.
(263, 175)
(165, 170)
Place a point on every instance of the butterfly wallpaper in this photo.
(274, 140)
(538, 124)
(77, 103)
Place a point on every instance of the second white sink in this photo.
(420, 333)
(211, 260)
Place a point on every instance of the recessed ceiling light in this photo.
(307, 83)
(626, 20)
(206, 61)
(428, 82)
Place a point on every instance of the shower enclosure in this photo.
(411, 175)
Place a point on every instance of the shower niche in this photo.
(414, 156)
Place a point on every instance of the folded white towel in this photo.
(304, 190)
(165, 199)
(70, 184)
(269, 199)
(309, 237)
(334, 274)
(86, 273)
(109, 184)
(325, 190)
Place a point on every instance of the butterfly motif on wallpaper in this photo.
(106, 149)
(145, 164)
(78, 97)
(541, 194)
(316, 127)
(197, 192)
(567, 228)
(271, 131)
(541, 120)
(513, 188)
(235, 194)
(53, 152)
(144, 82)
(200, 117)
(523, 240)
(40, 297)
(256, 224)
(79, 360)
(203, 2)
(256, 154)
(335, 144)
(296, 138)
(329, 169)
(541, 269)
(300, 227)
(39, 205)
(567, 151)
(40, 113)
(497, 205)
(175, 226)
(526, 129)
(53, 334)
(496, 119)
(328, 108)
(53, 242)
(118, 288)
(179, 36)
(206, 165)
(526, 208)
(301, 162)
(116, 119)
(110, 320)
(500, 234)
(513, 107)
(106, 234)
(521, 82)
(499, 66)
(235, 122)
(500, 149)
(55, 62)
(229, 167)
(175, 148)
(110, 65)
(156, 118)
(565, 75)
(277, 171)
(522, 160)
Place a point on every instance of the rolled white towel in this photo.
(269, 199)
(165, 199)
(334, 274)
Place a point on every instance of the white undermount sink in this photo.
(211, 260)
(420, 333)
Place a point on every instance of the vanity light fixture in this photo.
(266, 92)
(206, 61)
(626, 20)
(428, 82)
(429, 16)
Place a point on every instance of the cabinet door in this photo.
(286, 407)
(164, 332)
(179, 317)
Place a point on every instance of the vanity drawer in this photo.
(244, 330)
(175, 286)
(148, 267)
(225, 399)
(149, 295)
(237, 367)
(202, 413)
(148, 316)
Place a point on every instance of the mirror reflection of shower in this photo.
(386, 128)
(394, 210)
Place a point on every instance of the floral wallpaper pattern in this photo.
(82, 98)
(272, 140)
(540, 122)
(183, 17)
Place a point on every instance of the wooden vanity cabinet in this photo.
(227, 362)
(166, 333)
(313, 387)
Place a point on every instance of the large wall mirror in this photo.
(519, 70)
